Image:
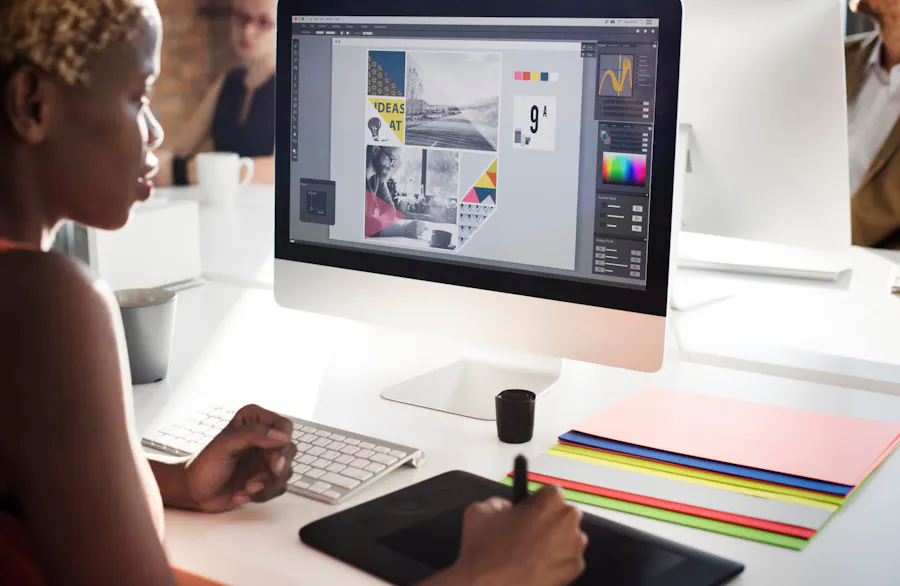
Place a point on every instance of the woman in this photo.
(79, 501)
(238, 112)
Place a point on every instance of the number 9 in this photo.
(535, 117)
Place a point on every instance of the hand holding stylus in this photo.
(538, 542)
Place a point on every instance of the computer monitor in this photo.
(498, 172)
(763, 90)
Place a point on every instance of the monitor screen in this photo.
(514, 144)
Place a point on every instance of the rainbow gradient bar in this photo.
(624, 169)
(536, 76)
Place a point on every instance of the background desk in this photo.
(237, 238)
(845, 333)
(235, 345)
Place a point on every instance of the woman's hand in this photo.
(537, 543)
(249, 461)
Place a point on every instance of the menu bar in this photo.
(479, 21)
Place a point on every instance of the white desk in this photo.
(237, 238)
(845, 333)
(235, 346)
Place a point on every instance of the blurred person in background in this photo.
(873, 91)
(238, 112)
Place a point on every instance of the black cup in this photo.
(515, 416)
(441, 239)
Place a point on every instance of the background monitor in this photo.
(763, 90)
(498, 173)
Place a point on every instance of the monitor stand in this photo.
(468, 387)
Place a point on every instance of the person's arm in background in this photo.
(190, 139)
(265, 169)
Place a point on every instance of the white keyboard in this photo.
(331, 464)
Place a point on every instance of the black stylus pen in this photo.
(520, 480)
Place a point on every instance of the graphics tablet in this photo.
(408, 536)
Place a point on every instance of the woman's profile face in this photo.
(104, 134)
(253, 28)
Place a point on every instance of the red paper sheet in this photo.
(830, 448)
(771, 526)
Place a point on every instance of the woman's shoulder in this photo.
(33, 282)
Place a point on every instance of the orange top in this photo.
(17, 563)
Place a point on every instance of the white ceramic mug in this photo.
(219, 175)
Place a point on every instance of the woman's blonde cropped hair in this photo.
(60, 36)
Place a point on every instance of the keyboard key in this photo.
(296, 436)
(341, 481)
(309, 438)
(319, 488)
(316, 451)
(366, 445)
(335, 468)
(345, 459)
(383, 450)
(349, 450)
(331, 494)
(382, 459)
(336, 446)
(321, 463)
(329, 455)
(306, 459)
(365, 454)
(309, 429)
(178, 433)
(337, 437)
(316, 474)
(303, 447)
(398, 455)
(357, 474)
(323, 433)
(185, 425)
(375, 468)
(202, 428)
(322, 442)
(360, 463)
(301, 469)
(351, 441)
(301, 484)
(220, 425)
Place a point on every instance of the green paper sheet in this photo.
(751, 534)
(701, 474)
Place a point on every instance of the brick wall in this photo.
(196, 48)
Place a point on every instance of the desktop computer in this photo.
(763, 95)
(501, 178)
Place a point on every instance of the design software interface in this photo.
(516, 144)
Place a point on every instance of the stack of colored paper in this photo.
(759, 472)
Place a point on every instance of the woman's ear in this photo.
(27, 103)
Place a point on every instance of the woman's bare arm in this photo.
(65, 445)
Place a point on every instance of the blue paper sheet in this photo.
(574, 437)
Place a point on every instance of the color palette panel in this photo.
(536, 76)
(624, 169)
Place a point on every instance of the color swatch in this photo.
(536, 76)
(624, 169)
(763, 472)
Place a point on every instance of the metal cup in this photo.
(148, 317)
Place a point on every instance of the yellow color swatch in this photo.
(698, 477)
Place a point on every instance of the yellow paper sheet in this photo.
(698, 477)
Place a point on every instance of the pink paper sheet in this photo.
(830, 448)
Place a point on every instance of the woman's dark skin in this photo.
(68, 453)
